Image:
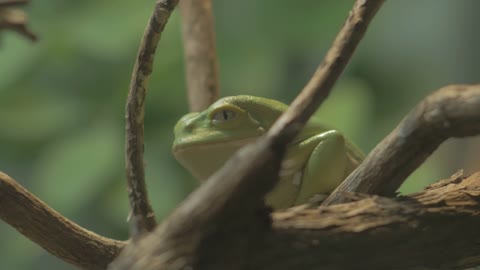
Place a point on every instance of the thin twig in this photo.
(320, 85)
(142, 213)
(52, 231)
(452, 111)
(201, 64)
(12, 3)
(15, 19)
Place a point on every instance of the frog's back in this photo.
(268, 110)
(263, 110)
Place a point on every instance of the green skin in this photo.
(316, 162)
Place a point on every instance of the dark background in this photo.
(62, 99)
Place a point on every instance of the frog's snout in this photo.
(186, 123)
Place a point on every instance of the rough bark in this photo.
(409, 232)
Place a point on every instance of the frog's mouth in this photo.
(186, 145)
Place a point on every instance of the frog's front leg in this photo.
(326, 166)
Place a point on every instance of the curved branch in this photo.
(142, 213)
(201, 64)
(53, 232)
(452, 111)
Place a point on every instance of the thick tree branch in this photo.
(142, 213)
(53, 232)
(201, 63)
(452, 111)
(409, 232)
(230, 199)
(433, 229)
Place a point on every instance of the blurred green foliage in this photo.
(62, 99)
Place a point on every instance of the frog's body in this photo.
(316, 161)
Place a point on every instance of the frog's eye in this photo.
(224, 115)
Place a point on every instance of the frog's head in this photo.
(205, 140)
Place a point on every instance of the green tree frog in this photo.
(316, 162)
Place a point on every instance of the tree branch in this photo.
(201, 63)
(452, 111)
(403, 233)
(433, 229)
(142, 213)
(12, 3)
(15, 19)
(53, 232)
(233, 195)
(320, 85)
